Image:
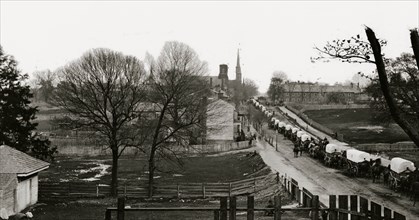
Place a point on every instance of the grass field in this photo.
(133, 170)
(208, 168)
(356, 126)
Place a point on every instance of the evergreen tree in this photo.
(16, 115)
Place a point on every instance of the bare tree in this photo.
(103, 90)
(276, 88)
(400, 92)
(45, 81)
(179, 90)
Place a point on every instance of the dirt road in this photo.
(324, 181)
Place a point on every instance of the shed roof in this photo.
(14, 161)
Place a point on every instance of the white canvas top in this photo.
(276, 122)
(294, 130)
(357, 155)
(288, 127)
(300, 133)
(273, 119)
(330, 148)
(281, 124)
(400, 165)
(305, 137)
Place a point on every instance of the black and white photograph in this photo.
(209, 110)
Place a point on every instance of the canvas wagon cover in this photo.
(400, 165)
(273, 119)
(281, 124)
(357, 156)
(331, 148)
(294, 130)
(288, 127)
(276, 122)
(305, 137)
(300, 133)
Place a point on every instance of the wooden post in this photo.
(233, 207)
(97, 190)
(108, 214)
(121, 207)
(254, 185)
(277, 204)
(250, 208)
(333, 215)
(223, 208)
(229, 189)
(354, 206)
(216, 215)
(276, 142)
(203, 190)
(343, 204)
(363, 207)
(178, 191)
(125, 189)
(315, 205)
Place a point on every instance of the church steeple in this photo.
(238, 69)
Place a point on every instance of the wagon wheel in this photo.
(353, 170)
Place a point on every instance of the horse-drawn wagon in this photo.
(333, 154)
(294, 133)
(357, 162)
(281, 127)
(401, 171)
(288, 130)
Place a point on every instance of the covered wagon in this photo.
(400, 173)
(358, 162)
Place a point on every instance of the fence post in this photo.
(254, 185)
(276, 142)
(125, 189)
(108, 214)
(97, 190)
(233, 206)
(178, 191)
(250, 208)
(216, 215)
(229, 189)
(333, 215)
(121, 207)
(277, 212)
(203, 190)
(223, 208)
(315, 206)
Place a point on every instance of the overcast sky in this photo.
(271, 35)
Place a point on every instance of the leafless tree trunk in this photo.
(103, 90)
(396, 114)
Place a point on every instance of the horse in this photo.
(363, 168)
(376, 171)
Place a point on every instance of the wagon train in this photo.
(399, 173)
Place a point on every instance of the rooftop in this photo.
(14, 161)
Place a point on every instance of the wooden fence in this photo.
(227, 210)
(357, 207)
(49, 190)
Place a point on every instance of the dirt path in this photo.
(324, 181)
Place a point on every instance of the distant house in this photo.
(220, 122)
(306, 93)
(18, 179)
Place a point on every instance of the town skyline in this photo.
(271, 36)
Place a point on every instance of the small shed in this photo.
(18, 179)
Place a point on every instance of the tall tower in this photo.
(238, 69)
